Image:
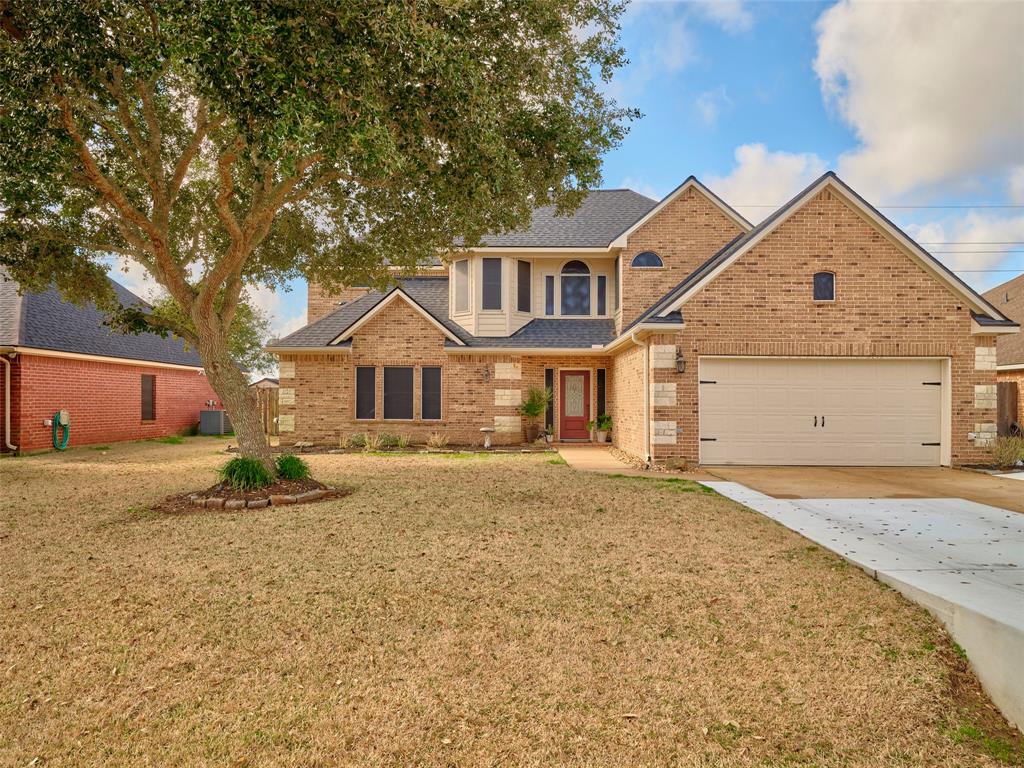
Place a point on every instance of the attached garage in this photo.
(823, 411)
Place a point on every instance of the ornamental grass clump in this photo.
(1008, 452)
(246, 474)
(291, 467)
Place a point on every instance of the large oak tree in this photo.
(222, 145)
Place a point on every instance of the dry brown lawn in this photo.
(451, 611)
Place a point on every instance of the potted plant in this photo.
(532, 409)
(604, 425)
(549, 435)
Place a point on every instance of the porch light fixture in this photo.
(487, 373)
(680, 364)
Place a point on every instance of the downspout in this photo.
(7, 404)
(647, 397)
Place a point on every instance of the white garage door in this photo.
(811, 411)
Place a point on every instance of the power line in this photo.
(1019, 269)
(908, 207)
(970, 252)
(970, 242)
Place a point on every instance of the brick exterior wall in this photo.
(627, 382)
(104, 400)
(685, 234)
(476, 389)
(885, 306)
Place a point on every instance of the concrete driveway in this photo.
(951, 541)
(877, 483)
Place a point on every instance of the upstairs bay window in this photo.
(462, 285)
(575, 288)
(491, 284)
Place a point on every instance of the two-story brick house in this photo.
(824, 335)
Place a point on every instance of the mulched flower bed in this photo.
(309, 448)
(223, 496)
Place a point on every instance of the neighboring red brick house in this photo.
(824, 335)
(55, 355)
(1008, 298)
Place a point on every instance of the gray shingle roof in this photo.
(431, 293)
(603, 216)
(45, 321)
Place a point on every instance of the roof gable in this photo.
(718, 263)
(691, 183)
(393, 295)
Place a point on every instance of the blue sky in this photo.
(912, 103)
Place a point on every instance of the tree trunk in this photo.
(239, 401)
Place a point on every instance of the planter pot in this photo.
(549, 439)
(532, 433)
(602, 436)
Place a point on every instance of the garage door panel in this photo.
(769, 411)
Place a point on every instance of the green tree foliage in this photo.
(222, 145)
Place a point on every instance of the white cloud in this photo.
(934, 91)
(763, 178)
(975, 241)
(668, 47)
(282, 322)
(731, 15)
(710, 104)
(136, 279)
(1016, 184)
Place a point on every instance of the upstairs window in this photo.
(647, 259)
(824, 286)
(615, 276)
(549, 295)
(602, 295)
(462, 285)
(524, 285)
(492, 284)
(575, 289)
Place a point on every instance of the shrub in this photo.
(1007, 451)
(387, 440)
(437, 440)
(536, 403)
(402, 441)
(291, 467)
(357, 441)
(246, 474)
(373, 443)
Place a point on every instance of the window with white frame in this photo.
(491, 284)
(462, 285)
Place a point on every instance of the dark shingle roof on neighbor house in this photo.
(431, 294)
(45, 321)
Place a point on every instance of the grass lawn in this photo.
(496, 610)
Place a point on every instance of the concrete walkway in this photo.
(962, 560)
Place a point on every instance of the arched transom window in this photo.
(646, 259)
(575, 288)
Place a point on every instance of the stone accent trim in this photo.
(985, 396)
(663, 432)
(663, 355)
(508, 371)
(984, 358)
(663, 393)
(985, 434)
(508, 396)
(286, 369)
(508, 424)
(286, 396)
(286, 423)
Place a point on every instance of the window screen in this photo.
(492, 284)
(524, 286)
(397, 393)
(148, 397)
(824, 286)
(602, 295)
(549, 295)
(549, 384)
(366, 392)
(600, 392)
(462, 286)
(430, 392)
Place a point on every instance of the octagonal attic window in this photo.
(646, 259)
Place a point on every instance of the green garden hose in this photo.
(60, 443)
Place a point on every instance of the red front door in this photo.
(573, 405)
